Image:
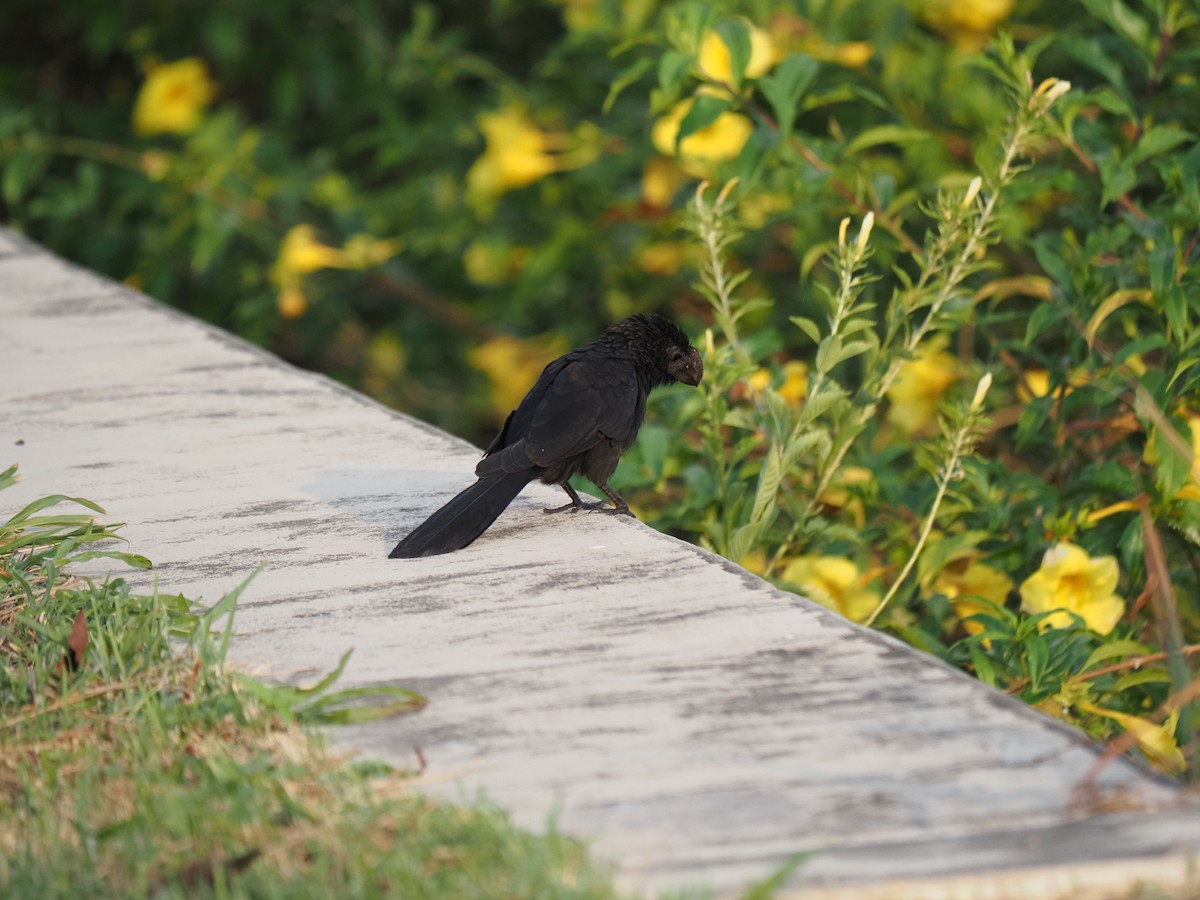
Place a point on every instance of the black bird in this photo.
(582, 414)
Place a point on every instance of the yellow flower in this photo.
(300, 254)
(756, 208)
(966, 23)
(1036, 383)
(512, 365)
(758, 382)
(363, 251)
(834, 582)
(838, 495)
(721, 140)
(663, 257)
(795, 382)
(1071, 581)
(154, 164)
(661, 180)
(920, 386)
(516, 154)
(964, 580)
(714, 57)
(291, 303)
(853, 54)
(1157, 742)
(755, 561)
(173, 97)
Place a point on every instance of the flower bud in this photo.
(864, 232)
(1049, 91)
(972, 191)
(981, 391)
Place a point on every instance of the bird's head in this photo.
(684, 364)
(661, 349)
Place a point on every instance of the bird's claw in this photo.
(622, 509)
(596, 506)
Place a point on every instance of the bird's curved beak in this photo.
(689, 369)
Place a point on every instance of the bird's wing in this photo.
(593, 396)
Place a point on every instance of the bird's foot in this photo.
(601, 505)
(620, 508)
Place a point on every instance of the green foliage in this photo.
(1056, 256)
(909, 212)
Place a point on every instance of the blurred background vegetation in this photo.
(428, 201)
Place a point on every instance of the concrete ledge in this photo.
(699, 725)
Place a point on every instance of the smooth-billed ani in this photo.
(582, 414)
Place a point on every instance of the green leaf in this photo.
(1050, 250)
(673, 67)
(1173, 466)
(628, 76)
(135, 560)
(784, 87)
(769, 480)
(1183, 366)
(226, 606)
(22, 517)
(1156, 141)
(808, 326)
(749, 165)
(1037, 656)
(705, 110)
(885, 134)
(829, 352)
(743, 541)
(1142, 345)
(769, 887)
(1118, 177)
(1122, 19)
(736, 37)
(1091, 53)
(1142, 676)
(1110, 102)
(984, 670)
(740, 418)
(344, 708)
(1114, 650)
(851, 349)
(803, 443)
(819, 404)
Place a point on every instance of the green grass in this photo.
(134, 761)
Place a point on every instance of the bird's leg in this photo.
(575, 503)
(618, 503)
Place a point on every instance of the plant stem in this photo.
(959, 447)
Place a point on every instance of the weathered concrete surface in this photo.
(699, 725)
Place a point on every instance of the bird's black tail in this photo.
(465, 517)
